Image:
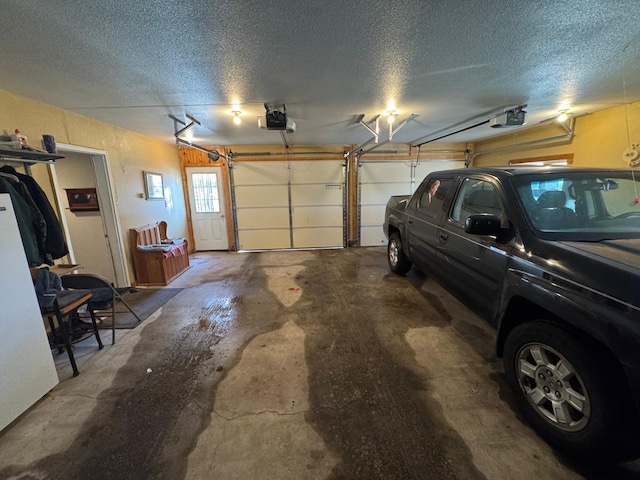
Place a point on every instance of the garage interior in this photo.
(290, 350)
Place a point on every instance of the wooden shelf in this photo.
(29, 155)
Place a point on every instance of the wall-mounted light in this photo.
(236, 117)
(391, 116)
(563, 116)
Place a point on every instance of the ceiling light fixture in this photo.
(391, 117)
(563, 116)
(236, 117)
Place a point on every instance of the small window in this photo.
(433, 196)
(476, 197)
(205, 192)
(548, 160)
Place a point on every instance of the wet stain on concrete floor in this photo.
(365, 403)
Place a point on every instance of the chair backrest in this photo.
(146, 235)
(104, 294)
(84, 280)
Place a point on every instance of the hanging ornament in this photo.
(631, 156)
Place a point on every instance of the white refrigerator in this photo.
(27, 371)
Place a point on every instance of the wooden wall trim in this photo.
(546, 158)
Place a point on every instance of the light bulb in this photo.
(236, 117)
(562, 117)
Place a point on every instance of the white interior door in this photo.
(207, 205)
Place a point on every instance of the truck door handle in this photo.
(444, 236)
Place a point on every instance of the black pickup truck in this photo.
(551, 258)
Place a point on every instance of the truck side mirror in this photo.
(487, 224)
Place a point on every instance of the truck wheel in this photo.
(575, 398)
(398, 261)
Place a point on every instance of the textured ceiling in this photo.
(132, 63)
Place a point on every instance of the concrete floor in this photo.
(290, 365)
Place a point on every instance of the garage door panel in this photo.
(426, 168)
(316, 171)
(317, 237)
(267, 239)
(372, 215)
(379, 194)
(385, 172)
(317, 216)
(372, 236)
(259, 173)
(251, 218)
(316, 195)
(317, 199)
(262, 196)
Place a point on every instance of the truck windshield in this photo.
(578, 206)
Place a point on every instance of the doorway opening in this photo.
(95, 238)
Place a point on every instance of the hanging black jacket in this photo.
(55, 245)
(25, 223)
(38, 224)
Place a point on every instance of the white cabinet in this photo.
(27, 371)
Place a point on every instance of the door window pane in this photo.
(476, 197)
(205, 192)
(433, 196)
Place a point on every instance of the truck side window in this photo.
(476, 196)
(433, 196)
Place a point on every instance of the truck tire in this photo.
(573, 396)
(398, 261)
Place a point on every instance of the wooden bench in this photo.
(157, 260)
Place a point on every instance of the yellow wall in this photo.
(600, 138)
(129, 154)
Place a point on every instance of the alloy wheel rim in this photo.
(393, 253)
(553, 387)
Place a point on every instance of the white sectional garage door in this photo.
(379, 180)
(317, 203)
(261, 202)
(298, 204)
